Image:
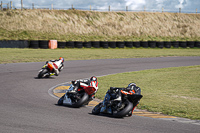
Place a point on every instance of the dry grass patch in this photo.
(120, 24)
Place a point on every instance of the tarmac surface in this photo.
(29, 105)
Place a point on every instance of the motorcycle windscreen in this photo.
(104, 109)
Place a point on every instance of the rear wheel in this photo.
(42, 73)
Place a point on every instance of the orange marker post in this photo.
(53, 44)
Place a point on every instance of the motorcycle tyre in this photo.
(96, 110)
(81, 102)
(40, 75)
(125, 111)
(60, 101)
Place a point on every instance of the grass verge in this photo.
(171, 91)
(12, 55)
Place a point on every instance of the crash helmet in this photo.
(93, 78)
(132, 86)
(61, 58)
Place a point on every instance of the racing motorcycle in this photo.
(46, 71)
(118, 108)
(82, 96)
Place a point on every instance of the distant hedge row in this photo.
(99, 44)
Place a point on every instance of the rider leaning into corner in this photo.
(57, 65)
(131, 89)
(92, 82)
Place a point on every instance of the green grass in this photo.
(172, 91)
(12, 55)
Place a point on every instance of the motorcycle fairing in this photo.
(104, 109)
(66, 99)
(135, 97)
(44, 66)
(89, 90)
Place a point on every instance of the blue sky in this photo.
(168, 5)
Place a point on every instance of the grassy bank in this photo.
(75, 25)
(14, 55)
(171, 91)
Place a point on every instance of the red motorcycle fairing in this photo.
(89, 90)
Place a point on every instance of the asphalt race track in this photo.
(27, 107)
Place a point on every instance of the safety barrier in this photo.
(45, 44)
(14, 44)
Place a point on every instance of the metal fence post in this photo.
(90, 8)
(11, 6)
(162, 10)
(179, 10)
(196, 10)
(32, 5)
(109, 8)
(21, 4)
(51, 6)
(126, 8)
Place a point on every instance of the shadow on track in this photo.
(106, 115)
(68, 106)
(45, 78)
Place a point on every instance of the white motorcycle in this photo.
(82, 97)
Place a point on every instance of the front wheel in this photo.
(125, 111)
(96, 110)
(42, 73)
(60, 101)
(84, 98)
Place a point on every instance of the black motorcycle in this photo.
(115, 107)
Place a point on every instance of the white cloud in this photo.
(182, 4)
(135, 4)
(114, 4)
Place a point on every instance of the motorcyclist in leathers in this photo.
(92, 82)
(57, 65)
(130, 89)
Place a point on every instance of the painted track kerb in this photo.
(50, 91)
